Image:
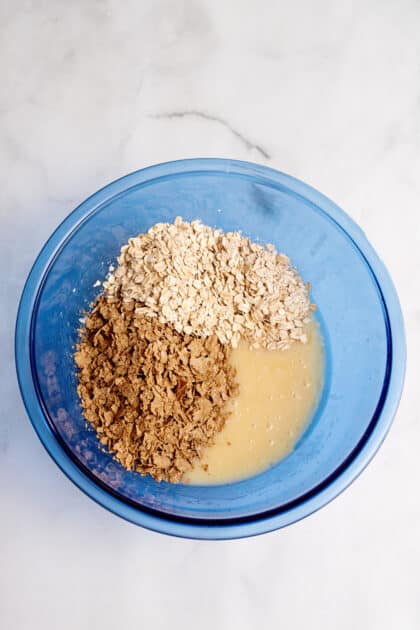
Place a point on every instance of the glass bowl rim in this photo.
(179, 526)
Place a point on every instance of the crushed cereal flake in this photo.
(155, 396)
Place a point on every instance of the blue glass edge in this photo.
(187, 529)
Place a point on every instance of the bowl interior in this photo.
(350, 310)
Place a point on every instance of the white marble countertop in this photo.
(326, 91)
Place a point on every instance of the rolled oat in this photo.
(206, 282)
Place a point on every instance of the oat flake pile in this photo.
(153, 358)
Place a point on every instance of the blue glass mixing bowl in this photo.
(358, 311)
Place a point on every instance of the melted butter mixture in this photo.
(279, 391)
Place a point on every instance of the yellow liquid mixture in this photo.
(278, 392)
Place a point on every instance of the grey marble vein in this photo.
(249, 144)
